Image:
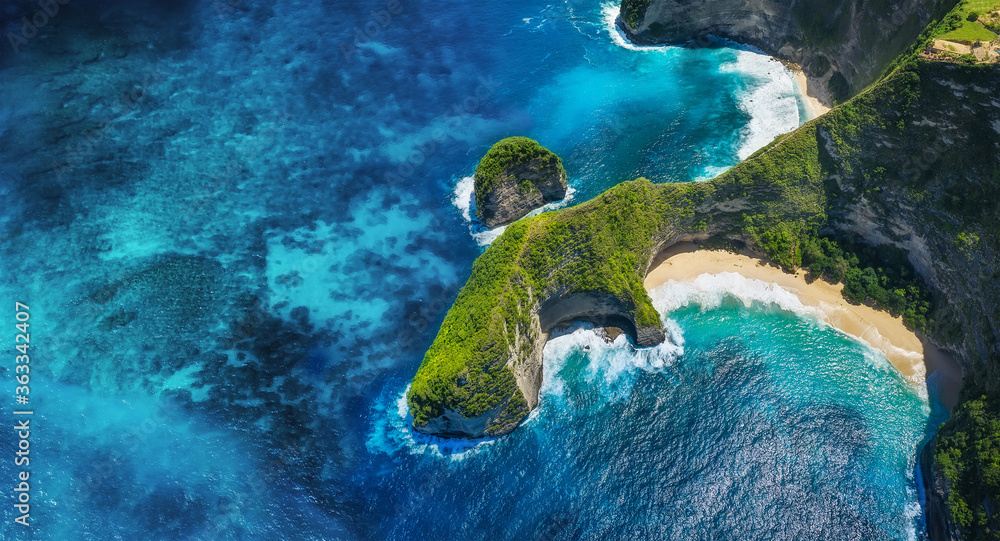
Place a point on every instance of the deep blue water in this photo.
(238, 228)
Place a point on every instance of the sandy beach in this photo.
(812, 103)
(915, 358)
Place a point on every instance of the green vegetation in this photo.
(604, 246)
(981, 6)
(506, 153)
(969, 32)
(590, 248)
(780, 202)
(953, 187)
(487, 315)
(911, 161)
(601, 247)
(962, 24)
(633, 11)
(882, 277)
(968, 454)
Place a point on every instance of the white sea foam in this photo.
(769, 94)
(609, 13)
(711, 171)
(913, 512)
(464, 199)
(485, 237)
(393, 432)
(611, 367)
(709, 290)
(768, 97)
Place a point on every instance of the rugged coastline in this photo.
(862, 169)
(841, 48)
(515, 177)
(908, 164)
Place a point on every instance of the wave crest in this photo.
(464, 199)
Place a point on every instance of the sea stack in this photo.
(516, 176)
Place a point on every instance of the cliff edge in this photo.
(842, 47)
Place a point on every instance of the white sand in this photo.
(912, 356)
(816, 108)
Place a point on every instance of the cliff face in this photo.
(939, 526)
(841, 46)
(520, 189)
(916, 166)
(913, 162)
(925, 177)
(582, 263)
(521, 359)
(516, 176)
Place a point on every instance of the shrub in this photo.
(633, 11)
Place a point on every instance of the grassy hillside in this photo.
(969, 32)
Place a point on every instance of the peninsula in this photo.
(892, 193)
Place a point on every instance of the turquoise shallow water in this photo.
(234, 274)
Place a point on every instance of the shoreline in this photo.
(913, 356)
(813, 105)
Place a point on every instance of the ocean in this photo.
(237, 226)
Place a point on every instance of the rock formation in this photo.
(842, 47)
(912, 163)
(516, 176)
(894, 167)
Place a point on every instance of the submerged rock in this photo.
(516, 176)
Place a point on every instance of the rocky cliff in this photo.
(937, 487)
(925, 178)
(516, 176)
(841, 46)
(926, 188)
(911, 163)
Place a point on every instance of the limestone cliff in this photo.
(516, 176)
(939, 526)
(523, 359)
(841, 46)
(913, 163)
(925, 178)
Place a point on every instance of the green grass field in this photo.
(956, 27)
(982, 6)
(969, 32)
